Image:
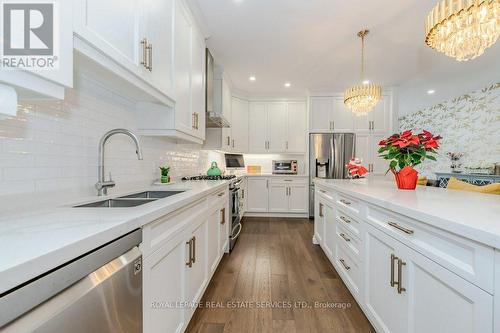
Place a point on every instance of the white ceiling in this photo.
(313, 45)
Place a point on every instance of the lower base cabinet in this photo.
(277, 195)
(177, 273)
(399, 289)
(424, 296)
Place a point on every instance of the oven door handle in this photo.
(239, 231)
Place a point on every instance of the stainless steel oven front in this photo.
(234, 203)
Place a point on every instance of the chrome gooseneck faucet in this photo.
(102, 185)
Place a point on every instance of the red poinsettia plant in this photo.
(408, 149)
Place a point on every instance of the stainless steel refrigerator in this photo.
(328, 155)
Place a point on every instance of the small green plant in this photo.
(165, 170)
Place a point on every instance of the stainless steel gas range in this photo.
(235, 203)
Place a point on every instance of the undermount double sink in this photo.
(131, 200)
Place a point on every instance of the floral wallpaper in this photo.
(469, 124)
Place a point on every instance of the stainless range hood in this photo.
(213, 96)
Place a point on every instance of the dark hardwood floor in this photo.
(276, 280)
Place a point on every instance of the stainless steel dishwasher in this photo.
(100, 291)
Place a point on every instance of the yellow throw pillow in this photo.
(455, 184)
(422, 181)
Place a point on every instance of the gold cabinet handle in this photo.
(345, 202)
(243, 193)
(221, 194)
(347, 239)
(401, 263)
(393, 258)
(342, 261)
(223, 213)
(229, 141)
(320, 210)
(190, 244)
(400, 228)
(345, 219)
(194, 249)
(144, 43)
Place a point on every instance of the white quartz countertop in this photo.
(33, 242)
(472, 215)
(275, 175)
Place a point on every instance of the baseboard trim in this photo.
(291, 215)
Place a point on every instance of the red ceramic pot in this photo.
(406, 178)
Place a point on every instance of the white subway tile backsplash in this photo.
(53, 145)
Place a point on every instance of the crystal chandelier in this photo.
(463, 29)
(362, 98)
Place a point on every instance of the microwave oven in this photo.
(287, 167)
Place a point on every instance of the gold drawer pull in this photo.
(322, 191)
(221, 194)
(342, 261)
(345, 237)
(345, 219)
(345, 202)
(403, 229)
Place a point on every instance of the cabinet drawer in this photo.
(468, 259)
(350, 223)
(349, 270)
(327, 195)
(218, 198)
(287, 180)
(349, 204)
(157, 233)
(350, 243)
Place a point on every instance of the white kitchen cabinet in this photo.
(278, 197)
(342, 117)
(224, 227)
(198, 86)
(367, 149)
(320, 114)
(431, 299)
(213, 234)
(183, 56)
(276, 127)
(296, 127)
(384, 306)
(319, 219)
(298, 197)
(197, 274)
(48, 83)
(161, 39)
(257, 194)
(239, 125)
(257, 127)
(329, 237)
(329, 114)
(163, 276)
(377, 120)
(115, 28)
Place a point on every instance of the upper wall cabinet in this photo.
(131, 39)
(48, 82)
(277, 127)
(329, 114)
(182, 72)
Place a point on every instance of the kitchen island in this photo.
(416, 261)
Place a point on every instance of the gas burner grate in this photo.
(229, 177)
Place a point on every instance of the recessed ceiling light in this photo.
(366, 82)
(288, 84)
(252, 78)
(431, 91)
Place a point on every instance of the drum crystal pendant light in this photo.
(362, 98)
(463, 29)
